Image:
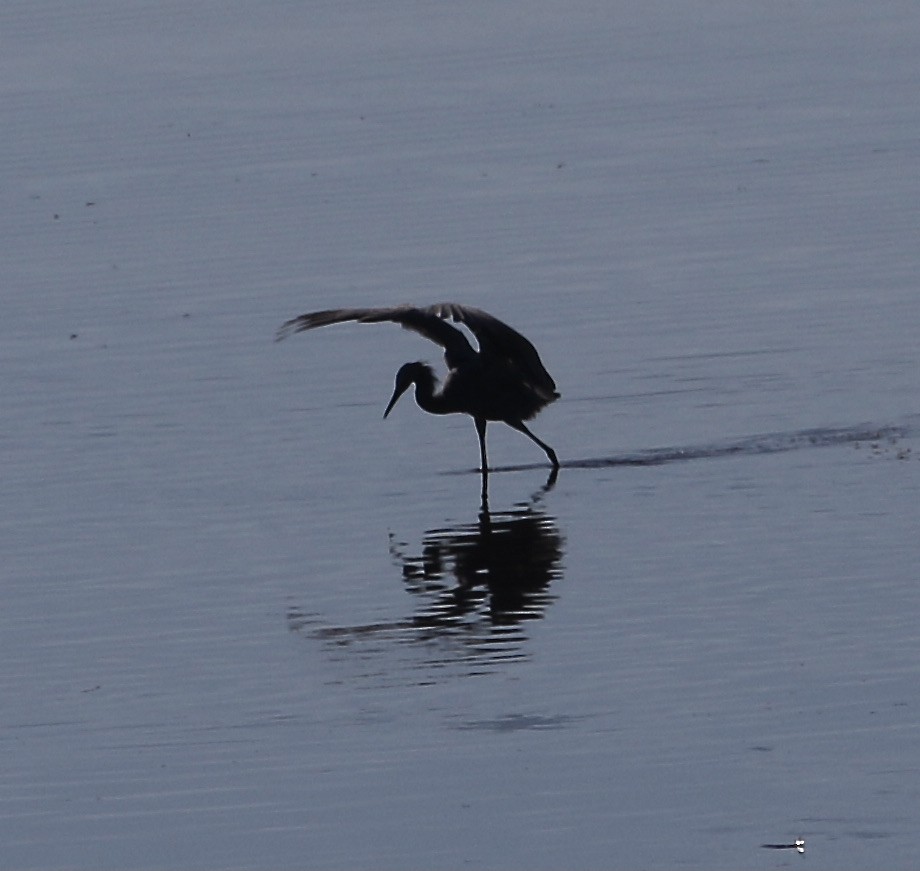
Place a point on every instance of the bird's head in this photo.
(408, 374)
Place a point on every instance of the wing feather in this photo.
(423, 321)
(496, 339)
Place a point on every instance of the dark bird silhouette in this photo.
(504, 380)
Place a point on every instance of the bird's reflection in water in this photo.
(498, 568)
(476, 583)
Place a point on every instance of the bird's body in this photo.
(503, 381)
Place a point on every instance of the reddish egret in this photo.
(504, 380)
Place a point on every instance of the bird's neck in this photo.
(428, 397)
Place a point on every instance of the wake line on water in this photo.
(771, 443)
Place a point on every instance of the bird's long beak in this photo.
(399, 391)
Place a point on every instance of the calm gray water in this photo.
(246, 623)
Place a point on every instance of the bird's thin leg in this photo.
(519, 426)
(481, 432)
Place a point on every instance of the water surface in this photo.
(247, 623)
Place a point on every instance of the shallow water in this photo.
(247, 623)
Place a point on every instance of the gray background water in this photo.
(245, 623)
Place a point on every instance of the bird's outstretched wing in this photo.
(425, 321)
(496, 339)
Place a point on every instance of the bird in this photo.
(504, 380)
